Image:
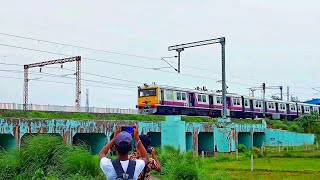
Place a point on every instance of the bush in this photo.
(48, 157)
(186, 172)
(242, 148)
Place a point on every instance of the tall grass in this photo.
(47, 156)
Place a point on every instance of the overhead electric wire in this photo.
(81, 47)
(62, 76)
(58, 82)
(123, 64)
(113, 52)
(82, 72)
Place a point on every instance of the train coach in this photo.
(167, 100)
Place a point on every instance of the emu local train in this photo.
(166, 100)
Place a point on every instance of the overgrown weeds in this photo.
(47, 156)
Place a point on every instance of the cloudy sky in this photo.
(276, 42)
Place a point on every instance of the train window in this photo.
(183, 96)
(178, 95)
(236, 101)
(307, 109)
(258, 104)
(204, 98)
(199, 98)
(292, 107)
(169, 95)
(219, 100)
(147, 92)
(245, 102)
(299, 108)
(282, 106)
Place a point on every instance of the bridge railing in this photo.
(38, 107)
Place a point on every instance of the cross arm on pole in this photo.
(180, 47)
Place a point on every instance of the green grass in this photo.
(47, 156)
(271, 164)
(91, 116)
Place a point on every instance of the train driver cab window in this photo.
(219, 100)
(183, 95)
(147, 92)
(178, 95)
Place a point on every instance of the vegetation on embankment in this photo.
(94, 116)
(303, 124)
(48, 157)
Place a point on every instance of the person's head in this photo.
(123, 143)
(146, 140)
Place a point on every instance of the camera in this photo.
(128, 129)
(149, 150)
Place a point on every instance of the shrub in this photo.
(186, 172)
(242, 148)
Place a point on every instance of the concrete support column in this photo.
(173, 132)
(252, 139)
(195, 140)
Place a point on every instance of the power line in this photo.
(128, 65)
(98, 75)
(113, 52)
(111, 62)
(81, 47)
(62, 76)
(66, 83)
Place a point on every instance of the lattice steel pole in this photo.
(78, 83)
(224, 90)
(25, 88)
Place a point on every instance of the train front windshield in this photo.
(147, 92)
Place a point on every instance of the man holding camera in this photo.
(122, 167)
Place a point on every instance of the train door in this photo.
(251, 105)
(162, 97)
(191, 99)
(210, 101)
(277, 107)
(228, 102)
(288, 108)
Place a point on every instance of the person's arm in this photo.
(154, 156)
(104, 151)
(141, 148)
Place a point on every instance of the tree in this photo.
(310, 123)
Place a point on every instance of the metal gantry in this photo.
(222, 41)
(46, 63)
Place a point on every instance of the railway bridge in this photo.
(213, 137)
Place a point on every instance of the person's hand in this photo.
(153, 151)
(136, 132)
(117, 132)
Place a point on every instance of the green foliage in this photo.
(38, 175)
(310, 123)
(48, 157)
(242, 148)
(91, 116)
(186, 172)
